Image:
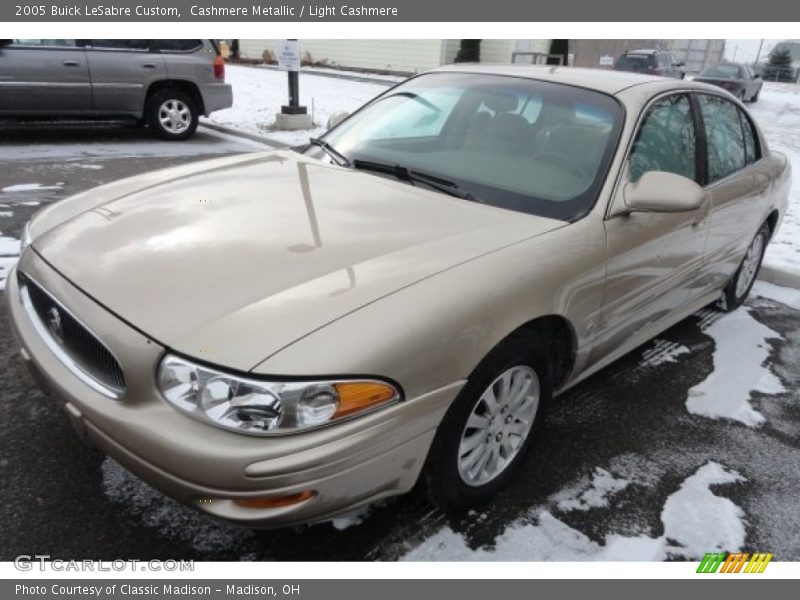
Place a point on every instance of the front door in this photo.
(654, 259)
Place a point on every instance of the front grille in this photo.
(64, 332)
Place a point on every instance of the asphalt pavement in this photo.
(67, 500)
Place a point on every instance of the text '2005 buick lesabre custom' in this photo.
(279, 337)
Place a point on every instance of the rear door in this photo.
(122, 71)
(738, 186)
(40, 76)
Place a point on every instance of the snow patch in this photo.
(739, 356)
(785, 295)
(351, 519)
(662, 352)
(30, 187)
(259, 93)
(695, 521)
(603, 484)
(6, 213)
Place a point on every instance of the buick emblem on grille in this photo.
(54, 323)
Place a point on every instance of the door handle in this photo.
(148, 65)
(70, 63)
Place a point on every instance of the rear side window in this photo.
(120, 44)
(751, 151)
(725, 138)
(666, 140)
(179, 45)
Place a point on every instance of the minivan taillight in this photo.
(219, 67)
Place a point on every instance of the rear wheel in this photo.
(172, 114)
(742, 282)
(755, 96)
(489, 428)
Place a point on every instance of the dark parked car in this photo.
(739, 80)
(651, 62)
(166, 84)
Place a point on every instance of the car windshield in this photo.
(531, 146)
(722, 72)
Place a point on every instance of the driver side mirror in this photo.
(337, 118)
(757, 76)
(4, 43)
(662, 192)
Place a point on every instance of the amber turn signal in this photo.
(357, 397)
(274, 501)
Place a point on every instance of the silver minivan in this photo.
(166, 84)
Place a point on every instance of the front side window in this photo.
(521, 144)
(724, 136)
(27, 42)
(666, 140)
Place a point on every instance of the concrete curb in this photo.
(780, 277)
(253, 137)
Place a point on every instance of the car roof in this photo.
(601, 80)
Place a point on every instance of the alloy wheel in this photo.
(498, 425)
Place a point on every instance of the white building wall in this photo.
(403, 56)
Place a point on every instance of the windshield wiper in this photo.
(405, 174)
(339, 158)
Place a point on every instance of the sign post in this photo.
(293, 116)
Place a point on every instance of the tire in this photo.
(742, 281)
(521, 356)
(172, 114)
(755, 96)
(743, 96)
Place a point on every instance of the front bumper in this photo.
(346, 465)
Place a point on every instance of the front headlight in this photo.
(25, 238)
(259, 407)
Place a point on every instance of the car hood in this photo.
(233, 261)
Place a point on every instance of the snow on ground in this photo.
(785, 295)
(258, 95)
(740, 355)
(695, 521)
(778, 113)
(582, 497)
(30, 187)
(9, 255)
(661, 352)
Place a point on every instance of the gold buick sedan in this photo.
(276, 338)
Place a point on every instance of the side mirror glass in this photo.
(757, 76)
(337, 118)
(659, 191)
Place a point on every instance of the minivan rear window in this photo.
(178, 45)
(636, 61)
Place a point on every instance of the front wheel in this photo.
(742, 282)
(487, 431)
(172, 114)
